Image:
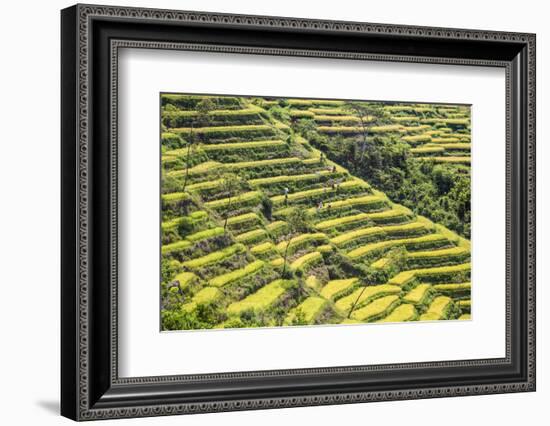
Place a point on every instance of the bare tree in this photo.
(204, 109)
(202, 118)
(296, 222)
(231, 185)
(191, 146)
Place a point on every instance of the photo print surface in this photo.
(281, 212)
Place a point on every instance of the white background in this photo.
(141, 344)
(29, 225)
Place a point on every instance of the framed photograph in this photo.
(263, 212)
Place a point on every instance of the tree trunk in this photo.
(364, 145)
(227, 213)
(186, 167)
(285, 255)
(189, 143)
(356, 301)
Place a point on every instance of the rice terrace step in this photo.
(281, 212)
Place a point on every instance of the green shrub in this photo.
(229, 117)
(171, 140)
(189, 102)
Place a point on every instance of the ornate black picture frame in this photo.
(90, 39)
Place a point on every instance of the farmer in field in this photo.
(286, 196)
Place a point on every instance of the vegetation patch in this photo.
(237, 274)
(432, 274)
(336, 289)
(306, 261)
(364, 295)
(418, 295)
(405, 312)
(376, 309)
(214, 256)
(430, 240)
(440, 308)
(263, 299)
(269, 206)
(307, 311)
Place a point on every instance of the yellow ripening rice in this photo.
(289, 179)
(406, 277)
(262, 248)
(371, 248)
(405, 312)
(300, 241)
(205, 167)
(338, 288)
(251, 236)
(376, 309)
(364, 295)
(443, 254)
(263, 299)
(363, 201)
(343, 239)
(452, 160)
(304, 195)
(438, 309)
(262, 163)
(313, 282)
(185, 279)
(237, 274)
(243, 218)
(214, 257)
(306, 261)
(418, 295)
(207, 295)
(245, 198)
(333, 223)
(310, 308)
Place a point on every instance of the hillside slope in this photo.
(229, 202)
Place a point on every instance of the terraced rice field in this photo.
(260, 229)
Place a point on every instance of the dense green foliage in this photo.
(441, 192)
